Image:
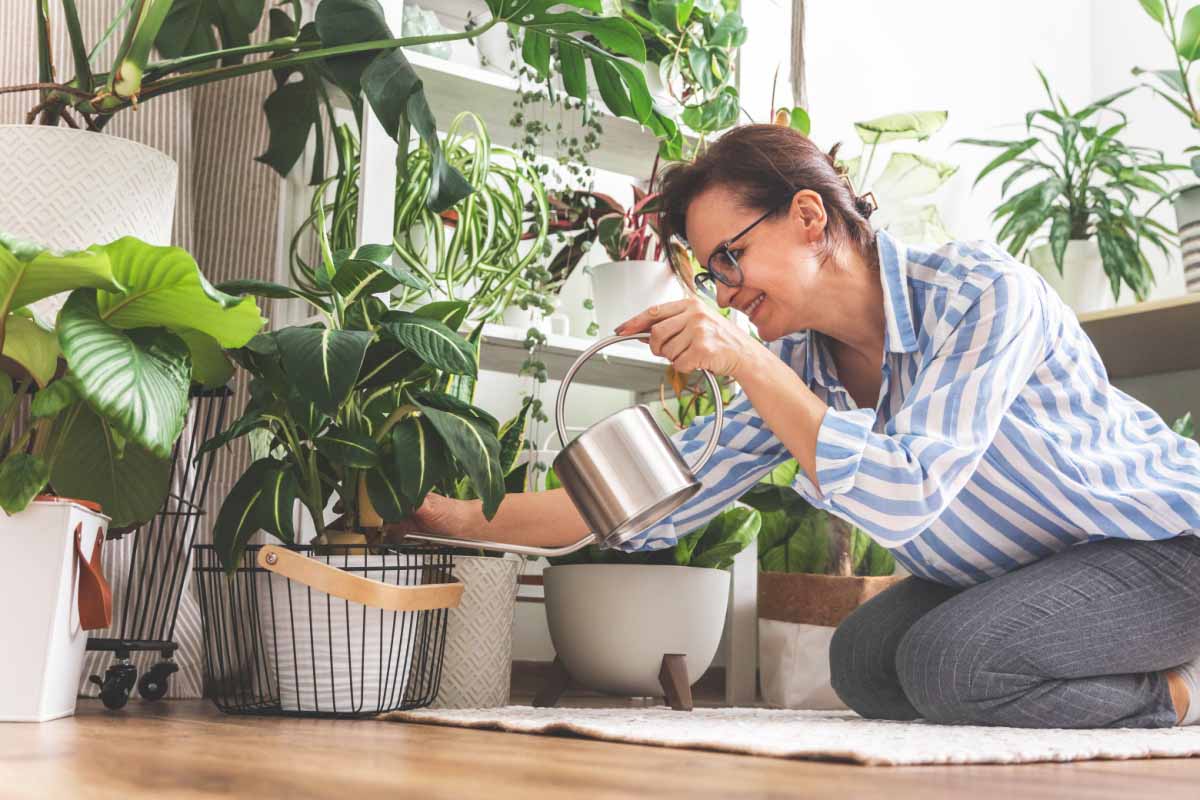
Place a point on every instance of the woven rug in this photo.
(822, 735)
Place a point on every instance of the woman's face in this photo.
(779, 257)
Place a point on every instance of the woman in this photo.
(946, 402)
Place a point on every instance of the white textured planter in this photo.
(1083, 285)
(325, 654)
(611, 624)
(621, 289)
(477, 669)
(1187, 217)
(69, 189)
(42, 639)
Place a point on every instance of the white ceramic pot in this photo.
(621, 289)
(611, 624)
(477, 669)
(1187, 216)
(43, 640)
(1082, 285)
(333, 655)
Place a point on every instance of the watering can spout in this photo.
(623, 474)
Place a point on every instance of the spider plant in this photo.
(1087, 185)
(347, 45)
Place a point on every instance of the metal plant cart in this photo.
(158, 563)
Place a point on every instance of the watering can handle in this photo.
(561, 405)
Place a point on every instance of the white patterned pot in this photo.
(1083, 285)
(1187, 217)
(68, 189)
(622, 289)
(611, 624)
(477, 669)
(331, 655)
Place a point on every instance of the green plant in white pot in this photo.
(1175, 86)
(91, 404)
(1083, 214)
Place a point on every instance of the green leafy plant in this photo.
(1175, 84)
(797, 537)
(347, 45)
(903, 188)
(1086, 185)
(370, 407)
(108, 380)
(1184, 426)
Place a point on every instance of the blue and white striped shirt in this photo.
(997, 439)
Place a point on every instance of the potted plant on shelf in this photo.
(366, 411)
(1174, 85)
(814, 569)
(99, 400)
(1083, 206)
(615, 616)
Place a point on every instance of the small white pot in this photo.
(477, 669)
(621, 289)
(1187, 216)
(611, 624)
(1083, 285)
(43, 640)
(326, 654)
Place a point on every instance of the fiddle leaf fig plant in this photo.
(347, 47)
(108, 375)
(368, 407)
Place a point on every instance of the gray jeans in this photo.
(1076, 640)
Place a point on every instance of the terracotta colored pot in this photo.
(816, 599)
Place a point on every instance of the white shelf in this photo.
(625, 147)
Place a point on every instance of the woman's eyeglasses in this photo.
(722, 266)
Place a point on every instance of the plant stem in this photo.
(50, 85)
(83, 70)
(176, 64)
(45, 56)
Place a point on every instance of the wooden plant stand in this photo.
(672, 676)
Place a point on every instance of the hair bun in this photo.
(864, 206)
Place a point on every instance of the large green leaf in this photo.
(1189, 34)
(22, 478)
(323, 364)
(417, 460)
(368, 269)
(512, 437)
(293, 110)
(476, 450)
(726, 535)
(33, 349)
(210, 366)
(28, 272)
(348, 449)
(439, 346)
(129, 482)
(163, 287)
(262, 499)
(137, 380)
(911, 125)
(192, 27)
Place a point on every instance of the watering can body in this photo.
(622, 474)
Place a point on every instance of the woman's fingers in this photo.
(642, 322)
(677, 345)
(664, 331)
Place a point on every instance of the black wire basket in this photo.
(343, 632)
(149, 567)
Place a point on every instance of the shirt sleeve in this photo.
(746, 450)
(894, 484)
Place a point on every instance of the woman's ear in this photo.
(807, 213)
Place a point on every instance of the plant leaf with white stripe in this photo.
(439, 346)
(476, 449)
(136, 380)
(323, 364)
(368, 269)
(262, 499)
(417, 459)
(349, 449)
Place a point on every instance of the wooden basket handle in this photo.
(365, 591)
(95, 595)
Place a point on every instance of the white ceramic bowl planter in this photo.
(611, 624)
(621, 289)
(1083, 284)
(43, 586)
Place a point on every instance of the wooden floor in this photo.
(186, 749)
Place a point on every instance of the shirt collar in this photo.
(899, 334)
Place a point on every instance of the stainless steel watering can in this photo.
(623, 474)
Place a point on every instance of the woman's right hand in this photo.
(439, 515)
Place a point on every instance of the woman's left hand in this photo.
(691, 335)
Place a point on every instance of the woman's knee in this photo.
(861, 671)
(942, 671)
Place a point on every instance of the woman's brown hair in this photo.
(765, 165)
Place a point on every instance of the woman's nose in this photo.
(724, 295)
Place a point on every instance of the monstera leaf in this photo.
(192, 27)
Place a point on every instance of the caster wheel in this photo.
(116, 686)
(153, 684)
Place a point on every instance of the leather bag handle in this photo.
(365, 591)
(95, 595)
